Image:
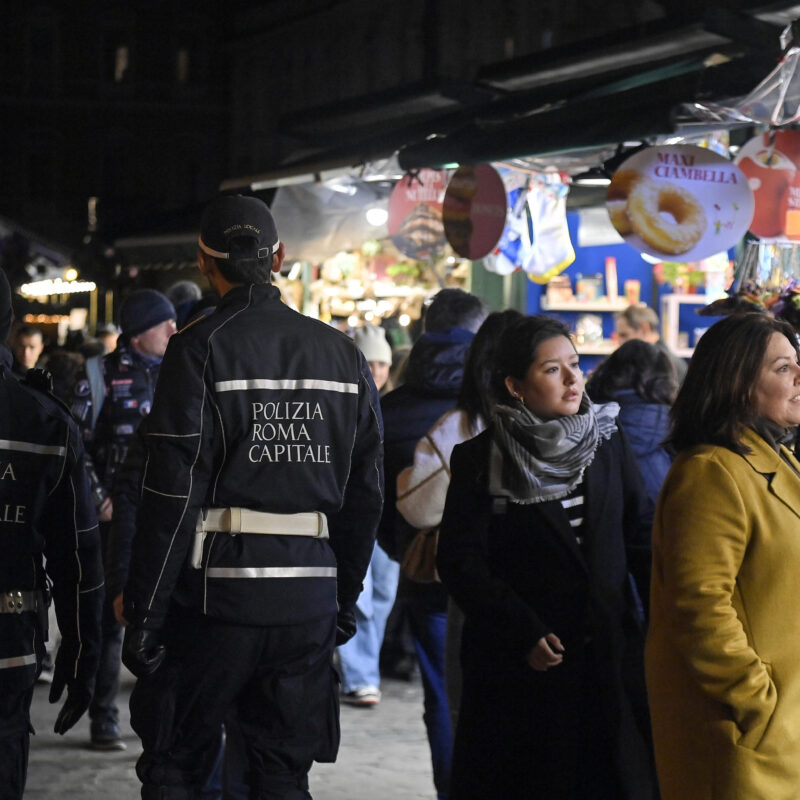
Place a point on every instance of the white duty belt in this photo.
(233, 520)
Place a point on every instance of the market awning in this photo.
(589, 95)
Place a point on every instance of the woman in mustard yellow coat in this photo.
(723, 647)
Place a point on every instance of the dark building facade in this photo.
(125, 103)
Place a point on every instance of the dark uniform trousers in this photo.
(14, 742)
(267, 683)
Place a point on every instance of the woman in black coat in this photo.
(545, 546)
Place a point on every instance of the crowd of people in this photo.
(595, 572)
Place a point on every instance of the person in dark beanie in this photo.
(45, 494)
(147, 320)
(259, 503)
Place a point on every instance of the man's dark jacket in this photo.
(130, 380)
(433, 381)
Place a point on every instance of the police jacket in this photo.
(130, 385)
(262, 408)
(45, 513)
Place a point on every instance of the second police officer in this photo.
(48, 536)
(261, 494)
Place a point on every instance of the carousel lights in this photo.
(58, 286)
(45, 319)
(404, 320)
(70, 274)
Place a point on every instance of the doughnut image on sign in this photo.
(665, 216)
(679, 203)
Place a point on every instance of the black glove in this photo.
(78, 699)
(345, 625)
(79, 694)
(142, 651)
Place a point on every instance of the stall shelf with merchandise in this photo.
(603, 305)
(590, 259)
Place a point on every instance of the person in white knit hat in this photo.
(359, 658)
(371, 340)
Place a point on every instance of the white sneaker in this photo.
(363, 696)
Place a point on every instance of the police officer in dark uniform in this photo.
(147, 319)
(48, 533)
(260, 498)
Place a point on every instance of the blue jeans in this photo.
(359, 658)
(429, 631)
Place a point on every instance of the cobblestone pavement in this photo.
(384, 754)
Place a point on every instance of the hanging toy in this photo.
(512, 249)
(551, 251)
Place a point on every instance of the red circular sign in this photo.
(415, 214)
(474, 210)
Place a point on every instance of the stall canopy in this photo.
(583, 97)
(317, 220)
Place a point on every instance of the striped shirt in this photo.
(573, 506)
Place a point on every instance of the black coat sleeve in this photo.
(74, 564)
(180, 451)
(463, 558)
(352, 529)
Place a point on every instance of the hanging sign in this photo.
(679, 202)
(415, 214)
(474, 210)
(771, 162)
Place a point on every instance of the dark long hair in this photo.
(715, 402)
(636, 365)
(517, 347)
(476, 397)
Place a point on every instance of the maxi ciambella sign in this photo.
(680, 202)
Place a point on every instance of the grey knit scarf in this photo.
(534, 460)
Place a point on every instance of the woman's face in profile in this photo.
(553, 384)
(777, 391)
